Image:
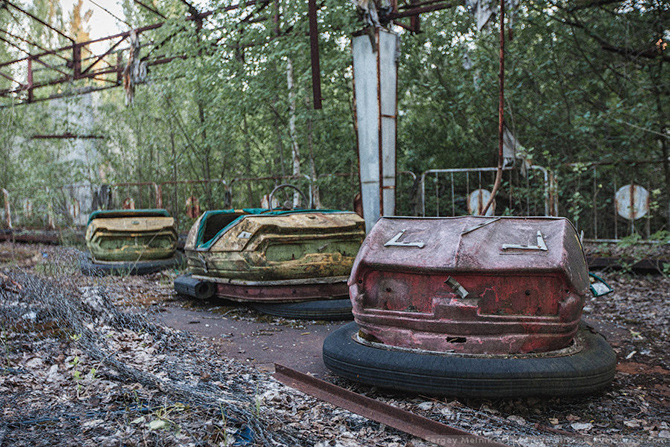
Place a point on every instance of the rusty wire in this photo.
(48, 311)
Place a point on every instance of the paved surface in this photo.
(260, 343)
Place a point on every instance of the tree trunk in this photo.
(656, 80)
(175, 196)
(248, 157)
(291, 127)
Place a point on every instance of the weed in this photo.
(257, 400)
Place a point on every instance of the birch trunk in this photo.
(295, 149)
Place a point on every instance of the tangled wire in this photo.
(75, 364)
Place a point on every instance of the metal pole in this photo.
(314, 53)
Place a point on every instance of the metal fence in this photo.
(528, 191)
(605, 201)
(612, 201)
(69, 206)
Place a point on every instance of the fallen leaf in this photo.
(158, 424)
(581, 426)
(518, 419)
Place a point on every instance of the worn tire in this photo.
(587, 371)
(332, 310)
(91, 268)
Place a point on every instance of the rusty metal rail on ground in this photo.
(377, 411)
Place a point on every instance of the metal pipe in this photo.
(383, 413)
(314, 54)
(418, 11)
(546, 187)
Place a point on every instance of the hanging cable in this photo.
(111, 13)
(501, 99)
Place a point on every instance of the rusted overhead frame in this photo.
(29, 42)
(377, 411)
(414, 9)
(74, 64)
(37, 19)
(155, 11)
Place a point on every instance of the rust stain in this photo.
(640, 368)
(131, 237)
(518, 296)
(273, 256)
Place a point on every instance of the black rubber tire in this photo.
(587, 371)
(331, 310)
(91, 268)
(190, 287)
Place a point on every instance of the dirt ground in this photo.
(126, 361)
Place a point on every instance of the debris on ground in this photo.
(82, 364)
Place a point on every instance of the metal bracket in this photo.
(393, 242)
(540, 245)
(458, 288)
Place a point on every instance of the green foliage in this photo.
(583, 84)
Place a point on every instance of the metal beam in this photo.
(8, 3)
(415, 11)
(377, 411)
(27, 41)
(314, 53)
(6, 76)
(155, 11)
(102, 56)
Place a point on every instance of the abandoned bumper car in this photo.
(474, 307)
(288, 263)
(134, 242)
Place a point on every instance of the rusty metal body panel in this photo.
(264, 256)
(475, 285)
(131, 235)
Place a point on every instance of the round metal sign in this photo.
(477, 200)
(632, 201)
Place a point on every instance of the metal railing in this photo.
(465, 181)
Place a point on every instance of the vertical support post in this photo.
(314, 52)
(31, 94)
(375, 91)
(415, 21)
(119, 69)
(76, 61)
